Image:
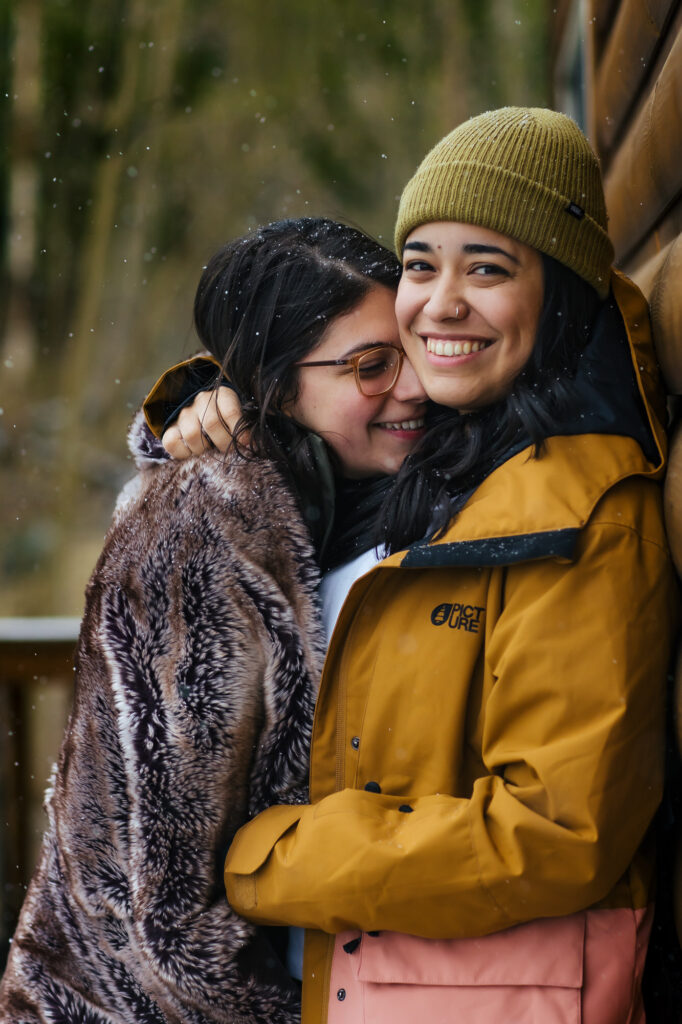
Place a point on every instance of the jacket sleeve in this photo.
(179, 386)
(572, 747)
(185, 692)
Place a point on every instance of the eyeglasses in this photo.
(376, 369)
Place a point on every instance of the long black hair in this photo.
(459, 451)
(263, 304)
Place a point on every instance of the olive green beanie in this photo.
(526, 172)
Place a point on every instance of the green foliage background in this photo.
(137, 137)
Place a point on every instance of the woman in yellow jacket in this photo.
(487, 748)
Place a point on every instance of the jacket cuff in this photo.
(177, 387)
(250, 848)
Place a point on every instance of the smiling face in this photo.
(468, 307)
(369, 435)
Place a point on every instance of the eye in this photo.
(377, 364)
(417, 265)
(489, 270)
(374, 367)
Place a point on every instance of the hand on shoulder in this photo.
(209, 422)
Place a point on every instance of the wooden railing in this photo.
(36, 669)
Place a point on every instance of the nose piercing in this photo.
(457, 316)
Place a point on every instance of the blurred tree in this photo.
(6, 46)
(21, 184)
(145, 134)
(136, 107)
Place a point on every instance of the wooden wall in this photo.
(636, 121)
(632, 58)
(631, 108)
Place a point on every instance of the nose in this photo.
(445, 302)
(408, 387)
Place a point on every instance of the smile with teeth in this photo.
(454, 348)
(403, 425)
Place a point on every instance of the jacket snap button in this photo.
(372, 787)
(341, 995)
(355, 742)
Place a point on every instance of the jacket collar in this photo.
(531, 508)
(554, 494)
(635, 312)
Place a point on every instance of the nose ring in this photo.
(457, 314)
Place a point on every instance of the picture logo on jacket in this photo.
(458, 616)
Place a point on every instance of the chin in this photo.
(444, 396)
(391, 466)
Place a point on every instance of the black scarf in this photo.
(356, 512)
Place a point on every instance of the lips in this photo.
(439, 347)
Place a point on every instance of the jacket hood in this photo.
(535, 507)
(634, 310)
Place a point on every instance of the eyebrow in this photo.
(469, 249)
(363, 346)
(476, 248)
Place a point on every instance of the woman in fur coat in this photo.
(200, 649)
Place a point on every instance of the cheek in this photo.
(529, 330)
(519, 323)
(407, 304)
(531, 304)
(305, 411)
(413, 346)
(349, 419)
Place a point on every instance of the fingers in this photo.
(228, 407)
(221, 417)
(190, 424)
(186, 436)
(207, 423)
(174, 443)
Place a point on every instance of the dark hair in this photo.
(263, 303)
(459, 451)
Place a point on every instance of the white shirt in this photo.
(333, 592)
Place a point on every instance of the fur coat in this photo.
(196, 672)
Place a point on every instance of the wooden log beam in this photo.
(644, 177)
(602, 14)
(626, 64)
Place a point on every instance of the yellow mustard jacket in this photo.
(488, 740)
